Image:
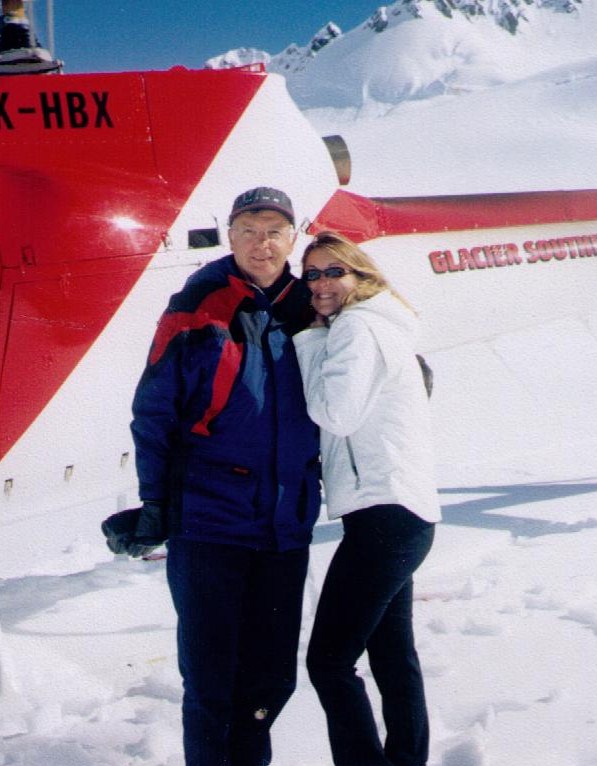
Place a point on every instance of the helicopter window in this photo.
(203, 238)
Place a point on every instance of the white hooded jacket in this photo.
(364, 388)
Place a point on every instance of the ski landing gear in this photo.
(30, 61)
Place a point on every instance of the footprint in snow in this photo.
(467, 753)
(475, 628)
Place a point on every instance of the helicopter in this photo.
(117, 186)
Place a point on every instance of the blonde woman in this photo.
(364, 388)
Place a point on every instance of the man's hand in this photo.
(136, 531)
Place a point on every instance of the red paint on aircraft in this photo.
(95, 168)
(364, 219)
(93, 171)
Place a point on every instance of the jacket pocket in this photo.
(221, 493)
(309, 500)
(353, 464)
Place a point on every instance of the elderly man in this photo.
(227, 455)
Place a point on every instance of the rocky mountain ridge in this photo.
(507, 14)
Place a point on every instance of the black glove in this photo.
(136, 531)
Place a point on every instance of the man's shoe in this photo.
(14, 36)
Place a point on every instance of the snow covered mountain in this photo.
(414, 49)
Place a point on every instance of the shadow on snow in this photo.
(22, 597)
(477, 512)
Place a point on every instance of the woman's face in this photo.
(328, 292)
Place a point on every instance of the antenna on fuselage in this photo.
(50, 25)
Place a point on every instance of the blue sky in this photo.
(112, 35)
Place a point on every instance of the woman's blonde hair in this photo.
(369, 279)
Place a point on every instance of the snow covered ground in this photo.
(506, 610)
(506, 619)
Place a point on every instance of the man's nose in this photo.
(262, 237)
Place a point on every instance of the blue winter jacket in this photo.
(220, 424)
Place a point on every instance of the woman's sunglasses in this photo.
(332, 272)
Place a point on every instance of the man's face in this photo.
(261, 242)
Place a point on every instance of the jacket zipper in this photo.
(353, 464)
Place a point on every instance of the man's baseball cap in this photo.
(262, 198)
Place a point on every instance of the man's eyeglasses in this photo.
(332, 272)
(249, 234)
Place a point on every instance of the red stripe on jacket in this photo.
(217, 310)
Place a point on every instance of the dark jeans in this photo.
(366, 604)
(239, 615)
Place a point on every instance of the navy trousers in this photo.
(366, 605)
(239, 616)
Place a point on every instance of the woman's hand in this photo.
(320, 321)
